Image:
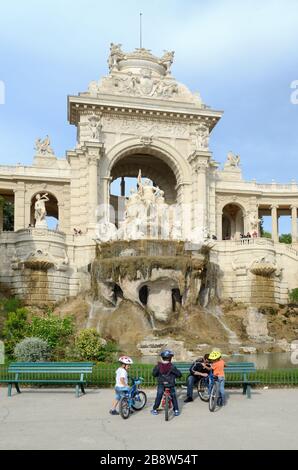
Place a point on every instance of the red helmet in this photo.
(125, 360)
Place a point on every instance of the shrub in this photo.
(32, 350)
(92, 347)
(15, 328)
(285, 238)
(294, 295)
(89, 344)
(53, 329)
(11, 305)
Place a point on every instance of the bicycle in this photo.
(167, 402)
(215, 396)
(203, 388)
(132, 399)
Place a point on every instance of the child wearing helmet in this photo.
(166, 372)
(218, 365)
(121, 381)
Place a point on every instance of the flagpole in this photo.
(140, 30)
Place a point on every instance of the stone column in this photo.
(274, 208)
(19, 205)
(93, 154)
(219, 225)
(199, 161)
(294, 224)
(122, 186)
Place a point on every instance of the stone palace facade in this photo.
(140, 120)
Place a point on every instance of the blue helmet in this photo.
(166, 354)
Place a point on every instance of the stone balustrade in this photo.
(40, 234)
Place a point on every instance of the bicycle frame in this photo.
(132, 390)
(167, 393)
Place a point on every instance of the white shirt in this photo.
(121, 373)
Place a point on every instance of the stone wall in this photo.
(261, 273)
(44, 266)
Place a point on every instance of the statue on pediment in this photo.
(43, 147)
(115, 56)
(166, 60)
(232, 160)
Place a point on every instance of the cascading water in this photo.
(98, 311)
(217, 313)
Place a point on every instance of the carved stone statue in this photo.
(159, 195)
(167, 60)
(166, 88)
(232, 160)
(40, 210)
(176, 231)
(95, 127)
(202, 137)
(254, 221)
(148, 192)
(93, 87)
(116, 55)
(106, 231)
(43, 147)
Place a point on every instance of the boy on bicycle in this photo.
(166, 373)
(218, 365)
(121, 381)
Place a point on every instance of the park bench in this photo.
(47, 372)
(235, 372)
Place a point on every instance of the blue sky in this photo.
(240, 55)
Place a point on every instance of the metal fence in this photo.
(103, 375)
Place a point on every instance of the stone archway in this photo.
(232, 221)
(152, 167)
(161, 167)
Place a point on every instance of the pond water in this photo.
(262, 360)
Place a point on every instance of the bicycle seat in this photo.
(167, 385)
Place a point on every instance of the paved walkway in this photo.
(55, 419)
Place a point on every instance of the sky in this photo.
(240, 55)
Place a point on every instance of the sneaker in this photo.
(154, 412)
(176, 412)
(114, 412)
(188, 399)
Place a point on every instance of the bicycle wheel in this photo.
(203, 389)
(139, 400)
(213, 397)
(124, 407)
(167, 407)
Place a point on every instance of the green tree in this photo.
(8, 214)
(92, 347)
(294, 295)
(53, 329)
(15, 328)
(285, 238)
(266, 234)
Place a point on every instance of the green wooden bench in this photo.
(235, 372)
(45, 372)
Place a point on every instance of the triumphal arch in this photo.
(139, 121)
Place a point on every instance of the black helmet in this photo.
(166, 354)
